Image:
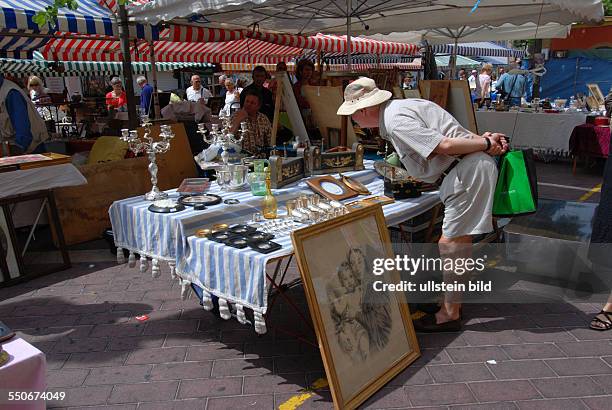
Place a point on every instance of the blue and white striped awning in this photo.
(88, 18)
(20, 47)
(479, 49)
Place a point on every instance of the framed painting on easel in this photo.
(458, 101)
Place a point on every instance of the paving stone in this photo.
(440, 340)
(605, 382)
(508, 323)
(435, 395)
(533, 351)
(109, 407)
(36, 310)
(387, 398)
(504, 405)
(526, 369)
(598, 403)
(506, 390)
(432, 356)
(192, 339)
(552, 404)
(476, 354)
(178, 371)
(189, 404)
(144, 392)
(104, 318)
(241, 335)
(281, 383)
(455, 373)
(43, 334)
(66, 378)
(291, 364)
(272, 349)
(559, 319)
(214, 351)
(227, 386)
(118, 330)
(586, 349)
(584, 366)
(261, 401)
(20, 323)
(56, 361)
(242, 367)
(119, 375)
(568, 387)
(95, 359)
(81, 396)
(171, 326)
(411, 376)
(590, 334)
(70, 345)
(490, 338)
(135, 342)
(157, 355)
(550, 334)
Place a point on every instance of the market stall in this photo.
(546, 133)
(234, 275)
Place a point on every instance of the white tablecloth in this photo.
(544, 132)
(25, 372)
(37, 179)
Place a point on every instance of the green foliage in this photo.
(49, 15)
(607, 7)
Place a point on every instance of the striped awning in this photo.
(88, 18)
(20, 47)
(239, 51)
(70, 68)
(478, 49)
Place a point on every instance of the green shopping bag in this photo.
(516, 192)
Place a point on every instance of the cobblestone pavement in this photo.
(182, 357)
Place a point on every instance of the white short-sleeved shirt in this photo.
(193, 95)
(415, 127)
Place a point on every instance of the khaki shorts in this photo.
(467, 194)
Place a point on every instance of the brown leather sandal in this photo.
(602, 325)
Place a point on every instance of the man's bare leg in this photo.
(458, 247)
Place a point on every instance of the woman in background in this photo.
(38, 93)
(231, 96)
(116, 99)
(485, 85)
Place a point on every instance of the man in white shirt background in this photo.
(197, 92)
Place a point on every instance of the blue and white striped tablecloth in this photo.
(238, 275)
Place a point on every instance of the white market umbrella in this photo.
(476, 34)
(367, 16)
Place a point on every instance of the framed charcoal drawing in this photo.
(365, 337)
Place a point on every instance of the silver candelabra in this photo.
(147, 143)
(223, 136)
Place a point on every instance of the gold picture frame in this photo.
(366, 338)
(596, 93)
(330, 188)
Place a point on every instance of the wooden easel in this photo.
(284, 91)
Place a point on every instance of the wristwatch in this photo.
(488, 144)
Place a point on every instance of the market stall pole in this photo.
(124, 36)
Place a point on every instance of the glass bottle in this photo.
(270, 207)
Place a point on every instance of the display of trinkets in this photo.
(221, 236)
(285, 170)
(237, 242)
(338, 161)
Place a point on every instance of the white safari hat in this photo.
(362, 93)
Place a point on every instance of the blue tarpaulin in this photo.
(567, 76)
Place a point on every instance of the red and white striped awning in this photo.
(337, 44)
(239, 51)
(213, 45)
